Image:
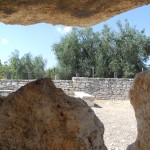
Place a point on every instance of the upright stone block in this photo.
(40, 116)
(140, 100)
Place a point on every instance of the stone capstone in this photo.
(66, 12)
(42, 117)
(140, 100)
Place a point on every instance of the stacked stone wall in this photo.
(12, 84)
(66, 85)
(101, 88)
(8, 86)
(104, 88)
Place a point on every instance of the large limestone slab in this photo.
(42, 117)
(140, 100)
(66, 12)
(89, 99)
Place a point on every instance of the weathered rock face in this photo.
(66, 12)
(1, 100)
(140, 100)
(40, 116)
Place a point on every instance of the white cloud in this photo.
(64, 30)
(4, 41)
(59, 29)
(67, 29)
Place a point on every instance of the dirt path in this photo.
(119, 121)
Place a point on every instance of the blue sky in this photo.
(39, 38)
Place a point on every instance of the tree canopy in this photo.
(120, 53)
(26, 67)
(106, 53)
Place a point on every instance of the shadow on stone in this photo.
(97, 106)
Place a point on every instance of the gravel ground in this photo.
(119, 121)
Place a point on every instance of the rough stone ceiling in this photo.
(67, 12)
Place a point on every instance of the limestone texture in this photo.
(39, 116)
(140, 100)
(66, 12)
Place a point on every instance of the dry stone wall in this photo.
(104, 88)
(7, 86)
(66, 85)
(12, 84)
(101, 88)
